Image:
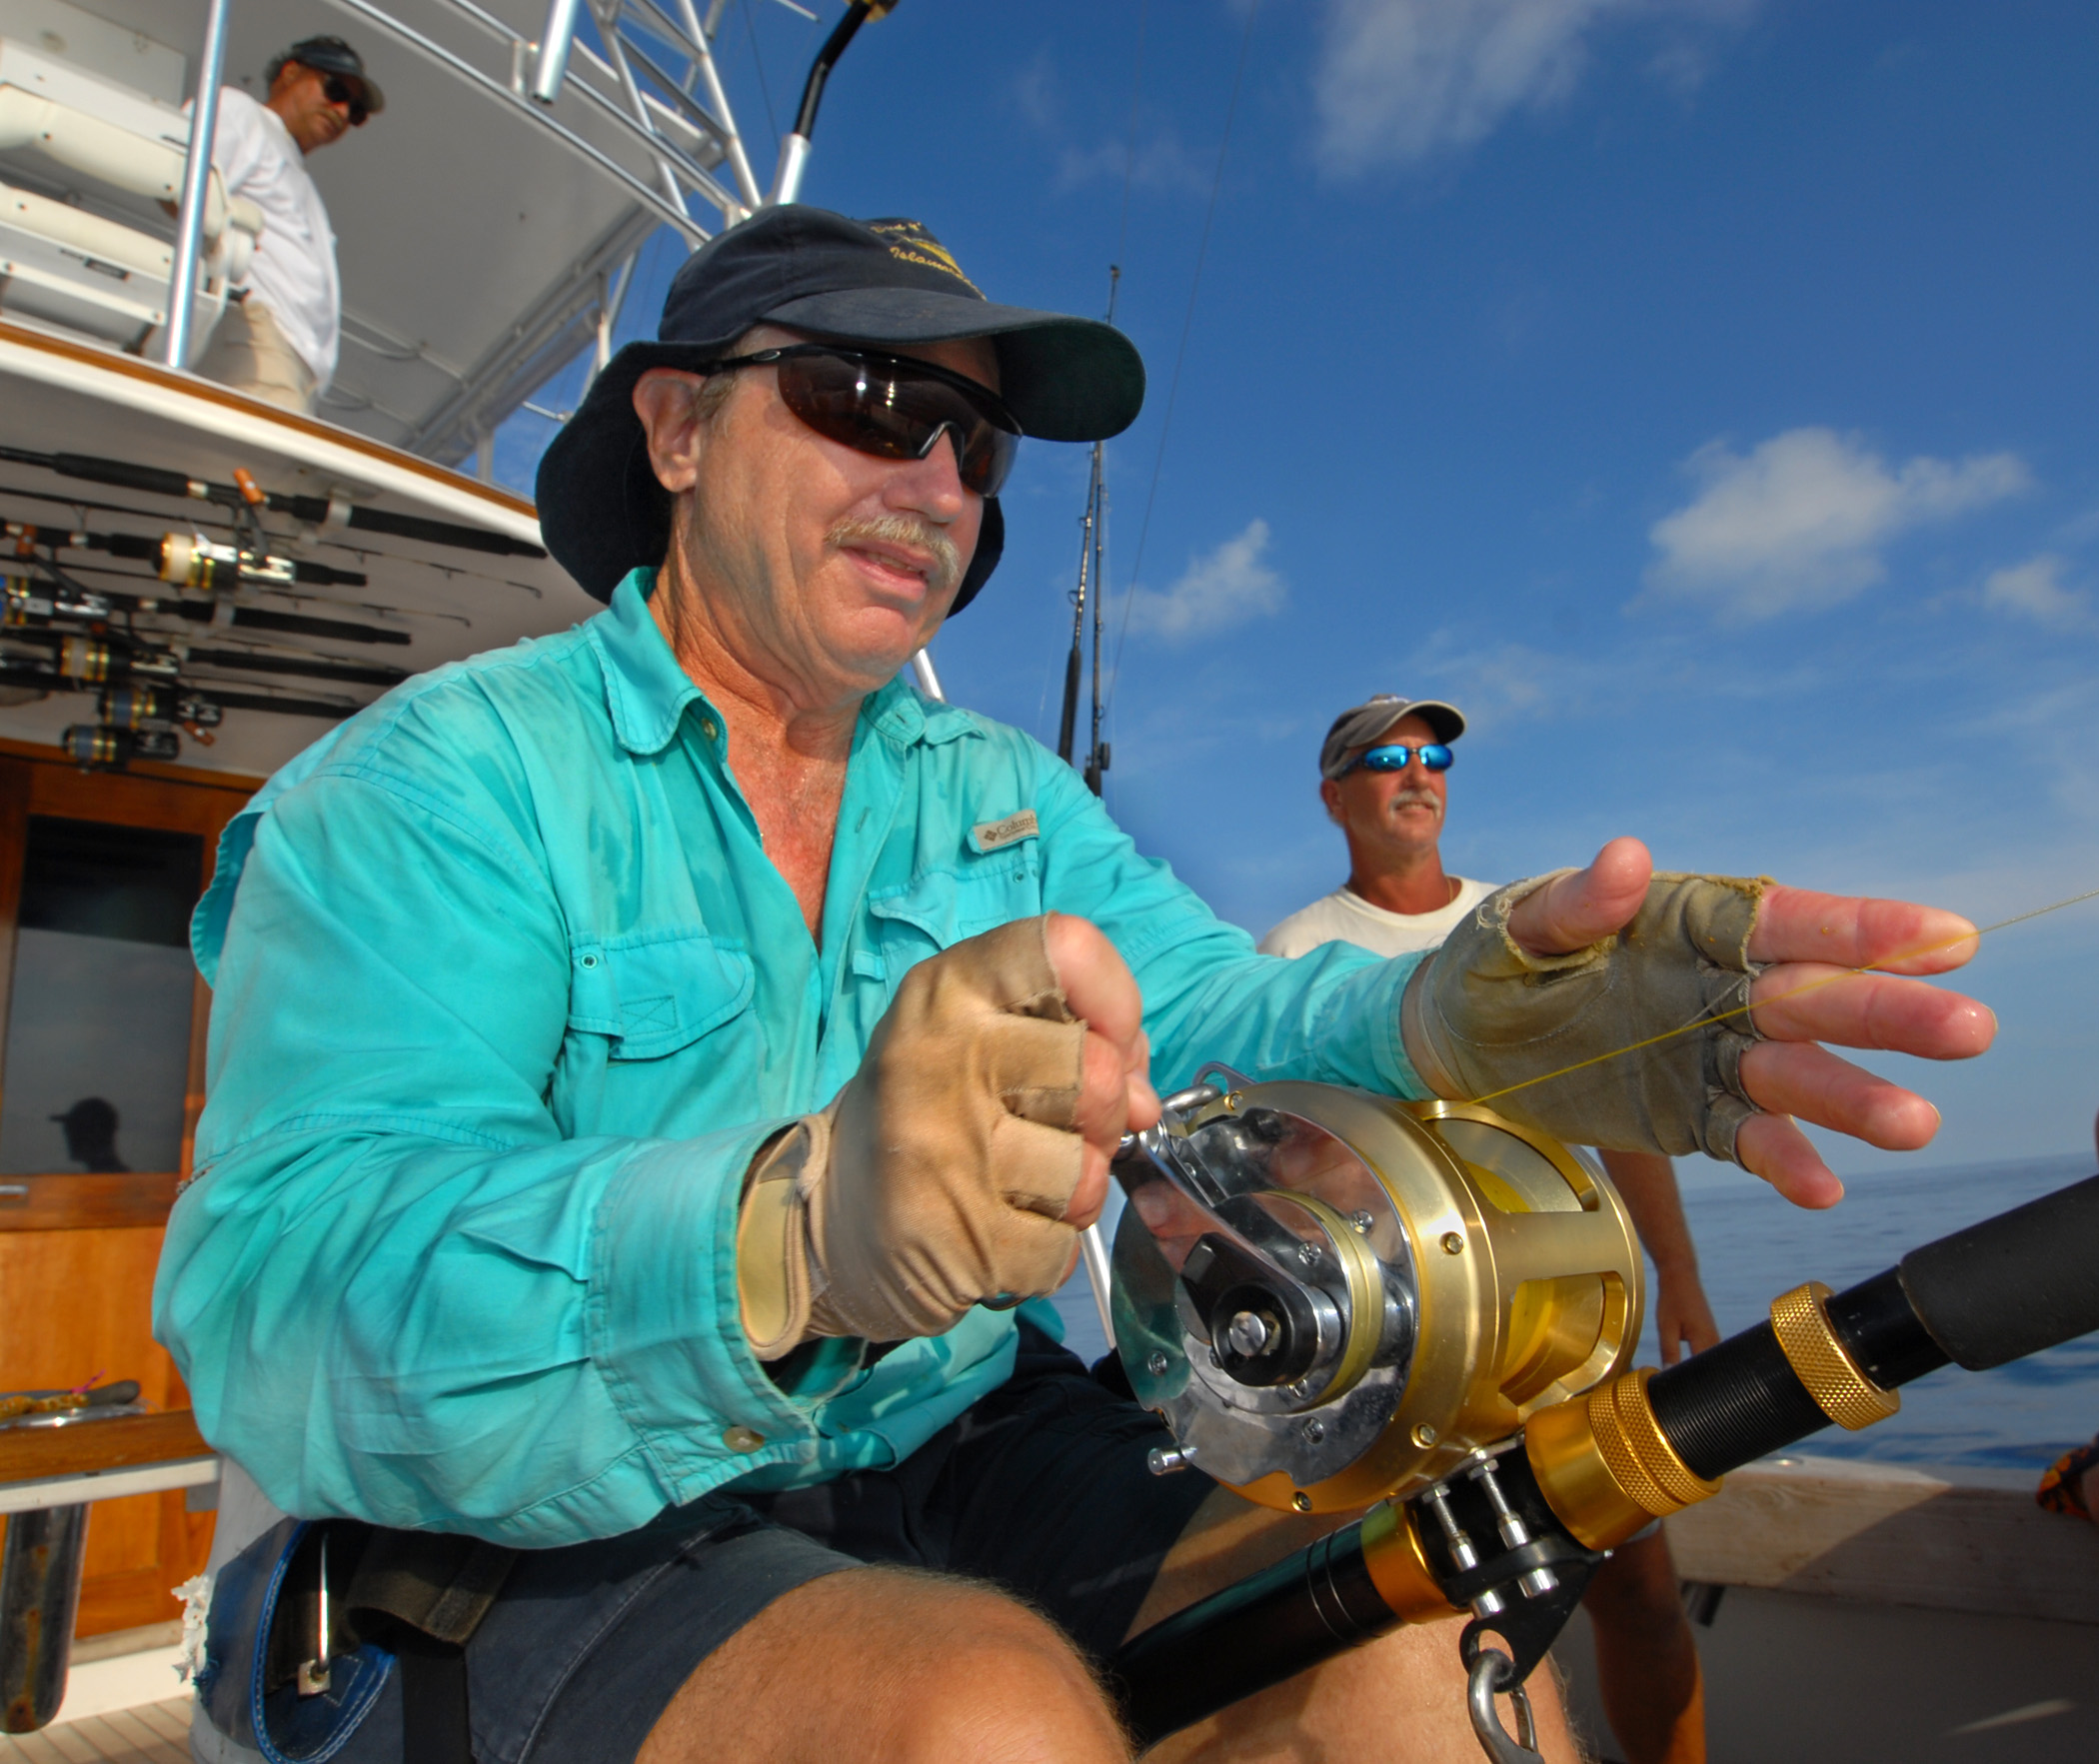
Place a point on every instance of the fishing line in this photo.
(759, 61)
(1137, 87)
(1828, 979)
(1187, 322)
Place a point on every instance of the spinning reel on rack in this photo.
(1334, 1299)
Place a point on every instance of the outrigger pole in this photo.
(1093, 587)
(793, 146)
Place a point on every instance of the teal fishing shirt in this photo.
(507, 997)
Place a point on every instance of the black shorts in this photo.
(1040, 1489)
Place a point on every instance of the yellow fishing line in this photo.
(1828, 979)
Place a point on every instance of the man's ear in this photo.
(1331, 794)
(667, 402)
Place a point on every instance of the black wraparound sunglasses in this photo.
(338, 89)
(892, 407)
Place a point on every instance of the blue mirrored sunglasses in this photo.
(1397, 757)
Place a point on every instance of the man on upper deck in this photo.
(278, 338)
(643, 1058)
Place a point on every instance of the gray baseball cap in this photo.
(1359, 726)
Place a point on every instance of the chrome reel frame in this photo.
(1331, 1296)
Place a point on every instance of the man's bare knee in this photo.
(892, 1665)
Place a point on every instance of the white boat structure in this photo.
(197, 583)
(488, 229)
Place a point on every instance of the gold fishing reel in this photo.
(1331, 1296)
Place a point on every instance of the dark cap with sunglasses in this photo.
(344, 70)
(1360, 726)
(852, 288)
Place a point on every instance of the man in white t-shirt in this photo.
(1385, 778)
(1381, 773)
(278, 338)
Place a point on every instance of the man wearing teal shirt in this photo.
(636, 1055)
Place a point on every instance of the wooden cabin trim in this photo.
(120, 1442)
(162, 771)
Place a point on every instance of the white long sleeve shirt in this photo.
(293, 272)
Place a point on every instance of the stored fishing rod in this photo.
(30, 610)
(298, 666)
(104, 655)
(245, 495)
(1512, 1525)
(190, 560)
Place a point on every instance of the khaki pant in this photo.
(249, 352)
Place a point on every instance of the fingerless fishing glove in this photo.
(1580, 1045)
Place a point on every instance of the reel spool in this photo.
(1331, 1296)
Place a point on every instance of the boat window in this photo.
(98, 1024)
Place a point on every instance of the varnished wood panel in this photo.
(79, 1306)
(115, 1444)
(89, 1202)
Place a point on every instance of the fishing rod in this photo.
(1285, 1247)
(245, 495)
(111, 655)
(23, 609)
(191, 560)
(1093, 585)
(451, 571)
(141, 718)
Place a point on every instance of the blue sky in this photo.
(1697, 391)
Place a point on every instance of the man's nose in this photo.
(930, 485)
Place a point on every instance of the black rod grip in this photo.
(121, 473)
(1733, 1403)
(1278, 1623)
(2015, 1284)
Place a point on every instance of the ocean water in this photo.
(1753, 1245)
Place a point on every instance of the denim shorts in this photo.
(1041, 1489)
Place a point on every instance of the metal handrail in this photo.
(463, 68)
(196, 185)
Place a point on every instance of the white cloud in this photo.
(1401, 80)
(2034, 590)
(1163, 163)
(1805, 517)
(1229, 587)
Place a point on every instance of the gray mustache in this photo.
(906, 530)
(1428, 800)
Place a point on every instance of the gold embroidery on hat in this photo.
(922, 248)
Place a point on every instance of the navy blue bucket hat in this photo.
(874, 283)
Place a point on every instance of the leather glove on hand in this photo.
(940, 1175)
(1484, 1013)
